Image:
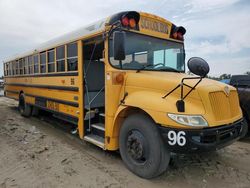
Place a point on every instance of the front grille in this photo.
(224, 107)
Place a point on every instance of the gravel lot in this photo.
(38, 152)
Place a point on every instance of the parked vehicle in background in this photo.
(242, 83)
(226, 81)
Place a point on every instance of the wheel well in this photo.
(123, 115)
(245, 114)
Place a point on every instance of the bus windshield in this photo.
(149, 53)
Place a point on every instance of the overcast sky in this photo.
(217, 30)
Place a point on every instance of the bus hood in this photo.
(164, 82)
(216, 101)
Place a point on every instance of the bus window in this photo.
(60, 59)
(21, 63)
(16, 67)
(25, 65)
(11, 68)
(51, 63)
(36, 66)
(72, 57)
(159, 57)
(5, 69)
(8, 69)
(30, 65)
(148, 51)
(43, 62)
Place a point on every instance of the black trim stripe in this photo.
(74, 104)
(45, 86)
(45, 75)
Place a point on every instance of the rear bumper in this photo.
(202, 140)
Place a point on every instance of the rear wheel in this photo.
(142, 148)
(24, 108)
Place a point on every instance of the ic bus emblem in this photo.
(227, 90)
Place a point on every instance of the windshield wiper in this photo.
(149, 65)
(163, 68)
(170, 69)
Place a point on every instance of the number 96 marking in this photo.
(176, 138)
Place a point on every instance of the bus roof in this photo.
(95, 27)
(66, 38)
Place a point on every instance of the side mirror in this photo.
(119, 45)
(198, 66)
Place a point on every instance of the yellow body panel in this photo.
(66, 81)
(146, 89)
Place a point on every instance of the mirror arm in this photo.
(192, 88)
(180, 104)
(120, 63)
(183, 84)
(114, 26)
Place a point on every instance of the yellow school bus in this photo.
(121, 83)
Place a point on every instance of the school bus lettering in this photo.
(52, 105)
(154, 25)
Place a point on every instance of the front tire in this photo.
(245, 130)
(24, 108)
(142, 148)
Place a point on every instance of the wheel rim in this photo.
(137, 147)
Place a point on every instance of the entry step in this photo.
(95, 139)
(99, 126)
(102, 114)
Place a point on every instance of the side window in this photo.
(13, 67)
(25, 70)
(43, 62)
(51, 62)
(30, 65)
(17, 67)
(10, 68)
(72, 60)
(5, 69)
(21, 65)
(36, 65)
(60, 58)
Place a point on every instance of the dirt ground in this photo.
(37, 152)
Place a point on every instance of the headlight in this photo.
(195, 121)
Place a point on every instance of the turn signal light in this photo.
(132, 23)
(175, 35)
(179, 36)
(178, 32)
(129, 22)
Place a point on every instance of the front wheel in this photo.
(142, 148)
(24, 108)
